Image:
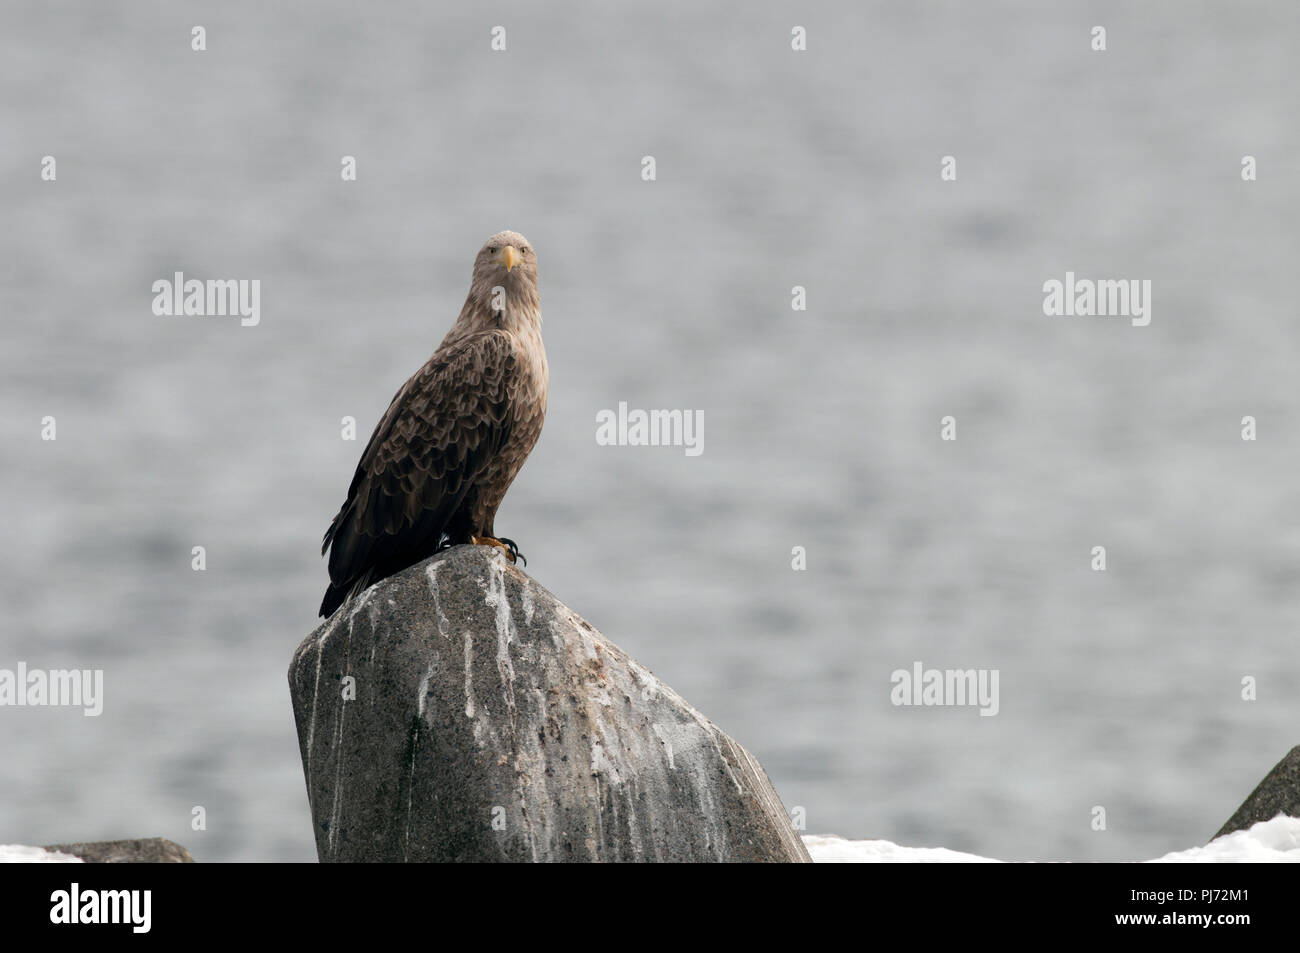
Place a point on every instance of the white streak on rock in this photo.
(505, 624)
(315, 688)
(526, 599)
(410, 791)
(423, 691)
(444, 626)
(668, 744)
(363, 602)
(469, 674)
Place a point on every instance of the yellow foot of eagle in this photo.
(507, 544)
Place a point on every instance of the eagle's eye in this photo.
(523, 250)
(492, 249)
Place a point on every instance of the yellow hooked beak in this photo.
(509, 257)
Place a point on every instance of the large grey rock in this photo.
(457, 711)
(1278, 793)
(151, 850)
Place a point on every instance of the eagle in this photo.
(455, 435)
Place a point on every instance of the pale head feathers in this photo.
(503, 289)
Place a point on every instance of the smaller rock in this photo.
(1278, 793)
(149, 850)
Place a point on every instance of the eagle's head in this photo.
(503, 291)
(508, 260)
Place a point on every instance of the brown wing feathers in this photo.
(442, 428)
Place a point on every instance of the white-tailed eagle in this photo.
(438, 465)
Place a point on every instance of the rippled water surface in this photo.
(1119, 689)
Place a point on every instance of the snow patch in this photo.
(18, 854)
(829, 849)
(1268, 842)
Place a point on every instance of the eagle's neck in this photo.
(516, 309)
(522, 313)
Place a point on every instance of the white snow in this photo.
(829, 849)
(1268, 842)
(18, 854)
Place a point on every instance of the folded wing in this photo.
(441, 430)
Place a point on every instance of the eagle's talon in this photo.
(512, 551)
(515, 555)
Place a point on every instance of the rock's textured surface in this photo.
(457, 711)
(152, 850)
(1278, 793)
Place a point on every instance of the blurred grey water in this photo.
(775, 169)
